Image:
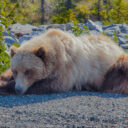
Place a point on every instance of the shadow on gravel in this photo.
(11, 101)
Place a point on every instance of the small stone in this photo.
(122, 40)
(124, 28)
(125, 46)
(24, 38)
(93, 26)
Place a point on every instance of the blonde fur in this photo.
(74, 61)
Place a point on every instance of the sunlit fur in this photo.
(73, 61)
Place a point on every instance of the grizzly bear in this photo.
(65, 61)
(115, 80)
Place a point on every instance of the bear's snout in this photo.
(18, 90)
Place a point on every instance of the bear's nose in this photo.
(18, 90)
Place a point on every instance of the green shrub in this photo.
(77, 31)
(6, 18)
(115, 37)
(114, 11)
(65, 17)
(4, 57)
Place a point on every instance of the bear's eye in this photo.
(27, 72)
(14, 73)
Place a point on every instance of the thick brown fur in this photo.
(68, 59)
(57, 61)
(116, 78)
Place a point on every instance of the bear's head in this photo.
(39, 58)
(29, 66)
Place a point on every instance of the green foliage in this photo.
(4, 20)
(104, 33)
(115, 11)
(8, 12)
(126, 36)
(115, 37)
(83, 10)
(4, 57)
(16, 44)
(8, 15)
(65, 17)
(86, 30)
(77, 31)
(20, 11)
(28, 11)
(59, 5)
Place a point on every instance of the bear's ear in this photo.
(41, 52)
(13, 51)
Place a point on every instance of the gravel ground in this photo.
(67, 110)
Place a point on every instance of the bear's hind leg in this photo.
(116, 78)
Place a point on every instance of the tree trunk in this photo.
(98, 10)
(69, 4)
(105, 1)
(32, 1)
(42, 12)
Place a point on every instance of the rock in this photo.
(98, 23)
(30, 26)
(122, 40)
(93, 26)
(9, 40)
(111, 30)
(19, 33)
(57, 26)
(68, 26)
(109, 33)
(125, 46)
(81, 25)
(36, 33)
(5, 33)
(123, 35)
(24, 38)
(124, 28)
(40, 28)
(111, 26)
(23, 29)
(29, 36)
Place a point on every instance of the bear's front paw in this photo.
(8, 89)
